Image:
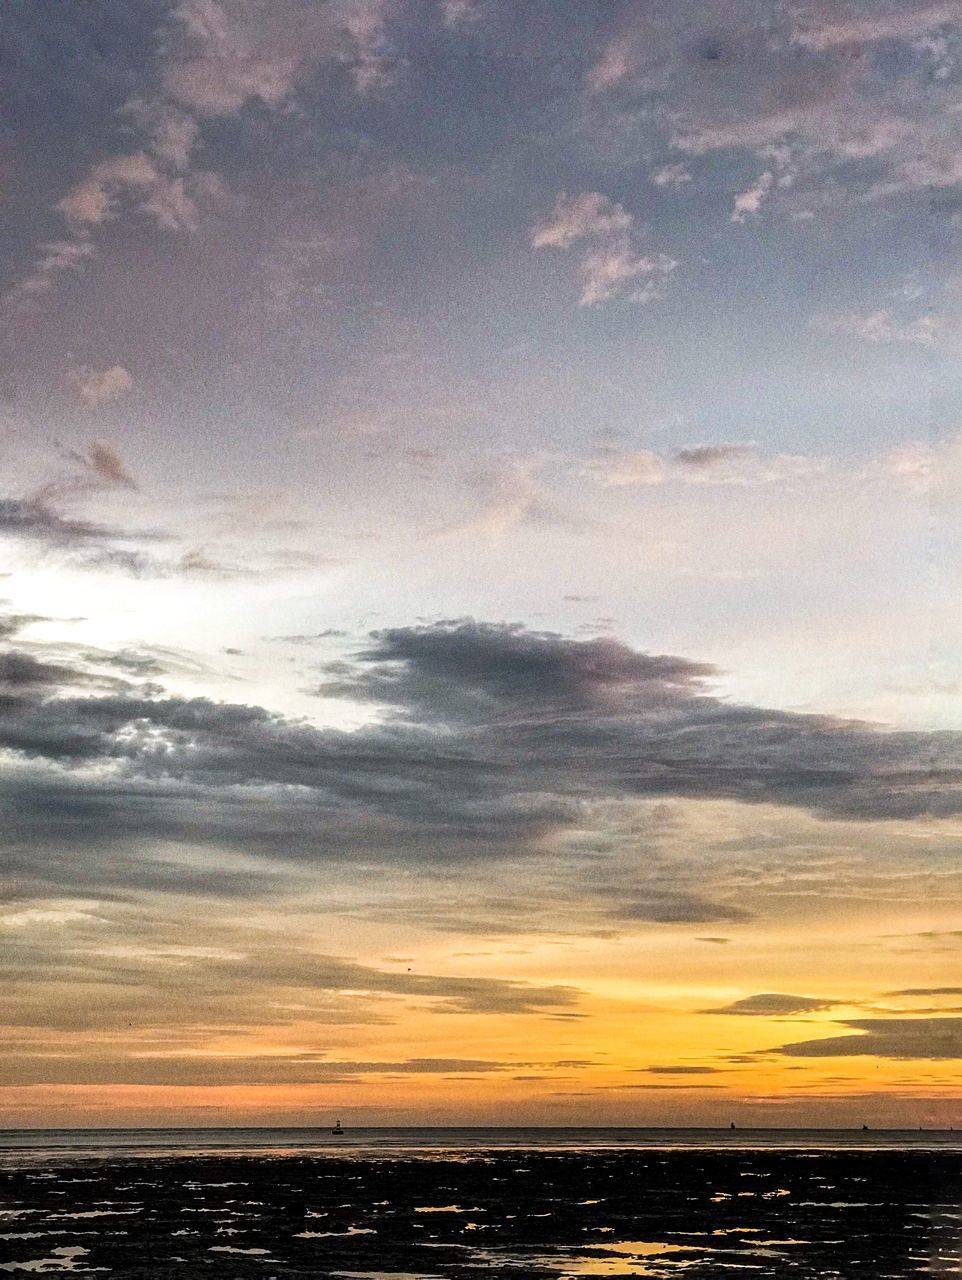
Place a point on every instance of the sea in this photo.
(528, 1203)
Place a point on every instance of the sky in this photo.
(479, 562)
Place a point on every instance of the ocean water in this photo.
(429, 1204)
(381, 1141)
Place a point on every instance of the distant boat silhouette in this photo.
(732, 1125)
(865, 1128)
(337, 1128)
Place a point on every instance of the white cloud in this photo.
(588, 216)
(94, 200)
(615, 65)
(671, 175)
(881, 326)
(45, 917)
(606, 271)
(610, 263)
(55, 257)
(637, 467)
(901, 23)
(460, 13)
(714, 464)
(100, 386)
(911, 464)
(717, 76)
(930, 467)
(749, 202)
(217, 56)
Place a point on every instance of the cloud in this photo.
(682, 1071)
(22, 671)
(93, 470)
(461, 13)
(606, 271)
(880, 326)
(750, 201)
(636, 467)
(672, 176)
(221, 1069)
(232, 52)
(33, 520)
(708, 457)
(926, 991)
(610, 263)
(215, 58)
(590, 215)
(73, 972)
(101, 386)
(820, 28)
(677, 906)
(25, 1068)
(492, 742)
(94, 200)
(55, 258)
(11, 624)
(106, 463)
(469, 670)
(88, 545)
(772, 1004)
(724, 464)
(329, 633)
(935, 1039)
(511, 494)
(851, 93)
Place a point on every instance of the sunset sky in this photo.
(481, 562)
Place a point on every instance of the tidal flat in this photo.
(533, 1215)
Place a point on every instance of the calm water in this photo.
(383, 1141)
(445, 1204)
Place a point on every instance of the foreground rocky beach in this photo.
(531, 1215)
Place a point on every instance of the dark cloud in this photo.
(131, 662)
(88, 545)
(98, 467)
(495, 740)
(28, 519)
(676, 907)
(11, 624)
(926, 991)
(937, 1039)
(159, 979)
(704, 457)
(329, 633)
(471, 671)
(774, 1004)
(682, 1071)
(27, 1069)
(20, 671)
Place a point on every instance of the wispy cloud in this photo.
(610, 265)
(812, 78)
(215, 58)
(721, 464)
(881, 326)
(100, 386)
